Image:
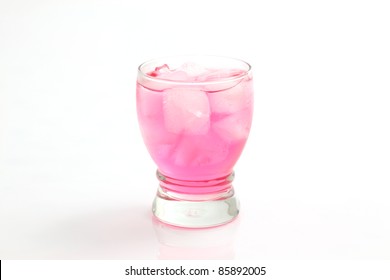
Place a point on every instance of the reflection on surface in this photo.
(183, 243)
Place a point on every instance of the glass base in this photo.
(203, 204)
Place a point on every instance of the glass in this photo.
(195, 113)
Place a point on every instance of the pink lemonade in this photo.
(195, 122)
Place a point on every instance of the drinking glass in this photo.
(195, 114)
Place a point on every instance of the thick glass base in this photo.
(195, 204)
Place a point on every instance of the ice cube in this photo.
(159, 142)
(221, 79)
(209, 74)
(154, 80)
(200, 150)
(176, 75)
(184, 152)
(192, 69)
(211, 150)
(165, 73)
(186, 111)
(234, 127)
(159, 70)
(232, 99)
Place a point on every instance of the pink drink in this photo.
(195, 121)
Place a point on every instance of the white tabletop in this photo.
(76, 181)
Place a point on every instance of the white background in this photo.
(77, 182)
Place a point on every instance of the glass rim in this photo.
(144, 75)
